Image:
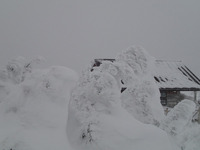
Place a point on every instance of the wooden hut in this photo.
(172, 77)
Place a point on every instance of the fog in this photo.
(74, 32)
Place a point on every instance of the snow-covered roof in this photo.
(174, 74)
(170, 75)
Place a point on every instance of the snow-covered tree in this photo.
(33, 111)
(18, 68)
(141, 102)
(15, 69)
(138, 59)
(141, 98)
(178, 117)
(178, 124)
(98, 94)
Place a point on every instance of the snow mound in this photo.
(178, 124)
(33, 107)
(179, 117)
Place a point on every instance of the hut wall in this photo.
(170, 98)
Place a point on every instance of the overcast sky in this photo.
(74, 32)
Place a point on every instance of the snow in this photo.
(171, 75)
(189, 138)
(48, 109)
(101, 117)
(33, 111)
(178, 124)
(179, 117)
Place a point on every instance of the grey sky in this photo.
(73, 32)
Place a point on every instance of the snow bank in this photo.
(33, 107)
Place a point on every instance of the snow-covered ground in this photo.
(51, 109)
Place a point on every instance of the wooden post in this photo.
(195, 96)
(198, 104)
(199, 116)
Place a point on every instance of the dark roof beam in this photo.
(180, 89)
(193, 74)
(182, 72)
(190, 75)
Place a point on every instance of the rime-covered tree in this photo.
(98, 94)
